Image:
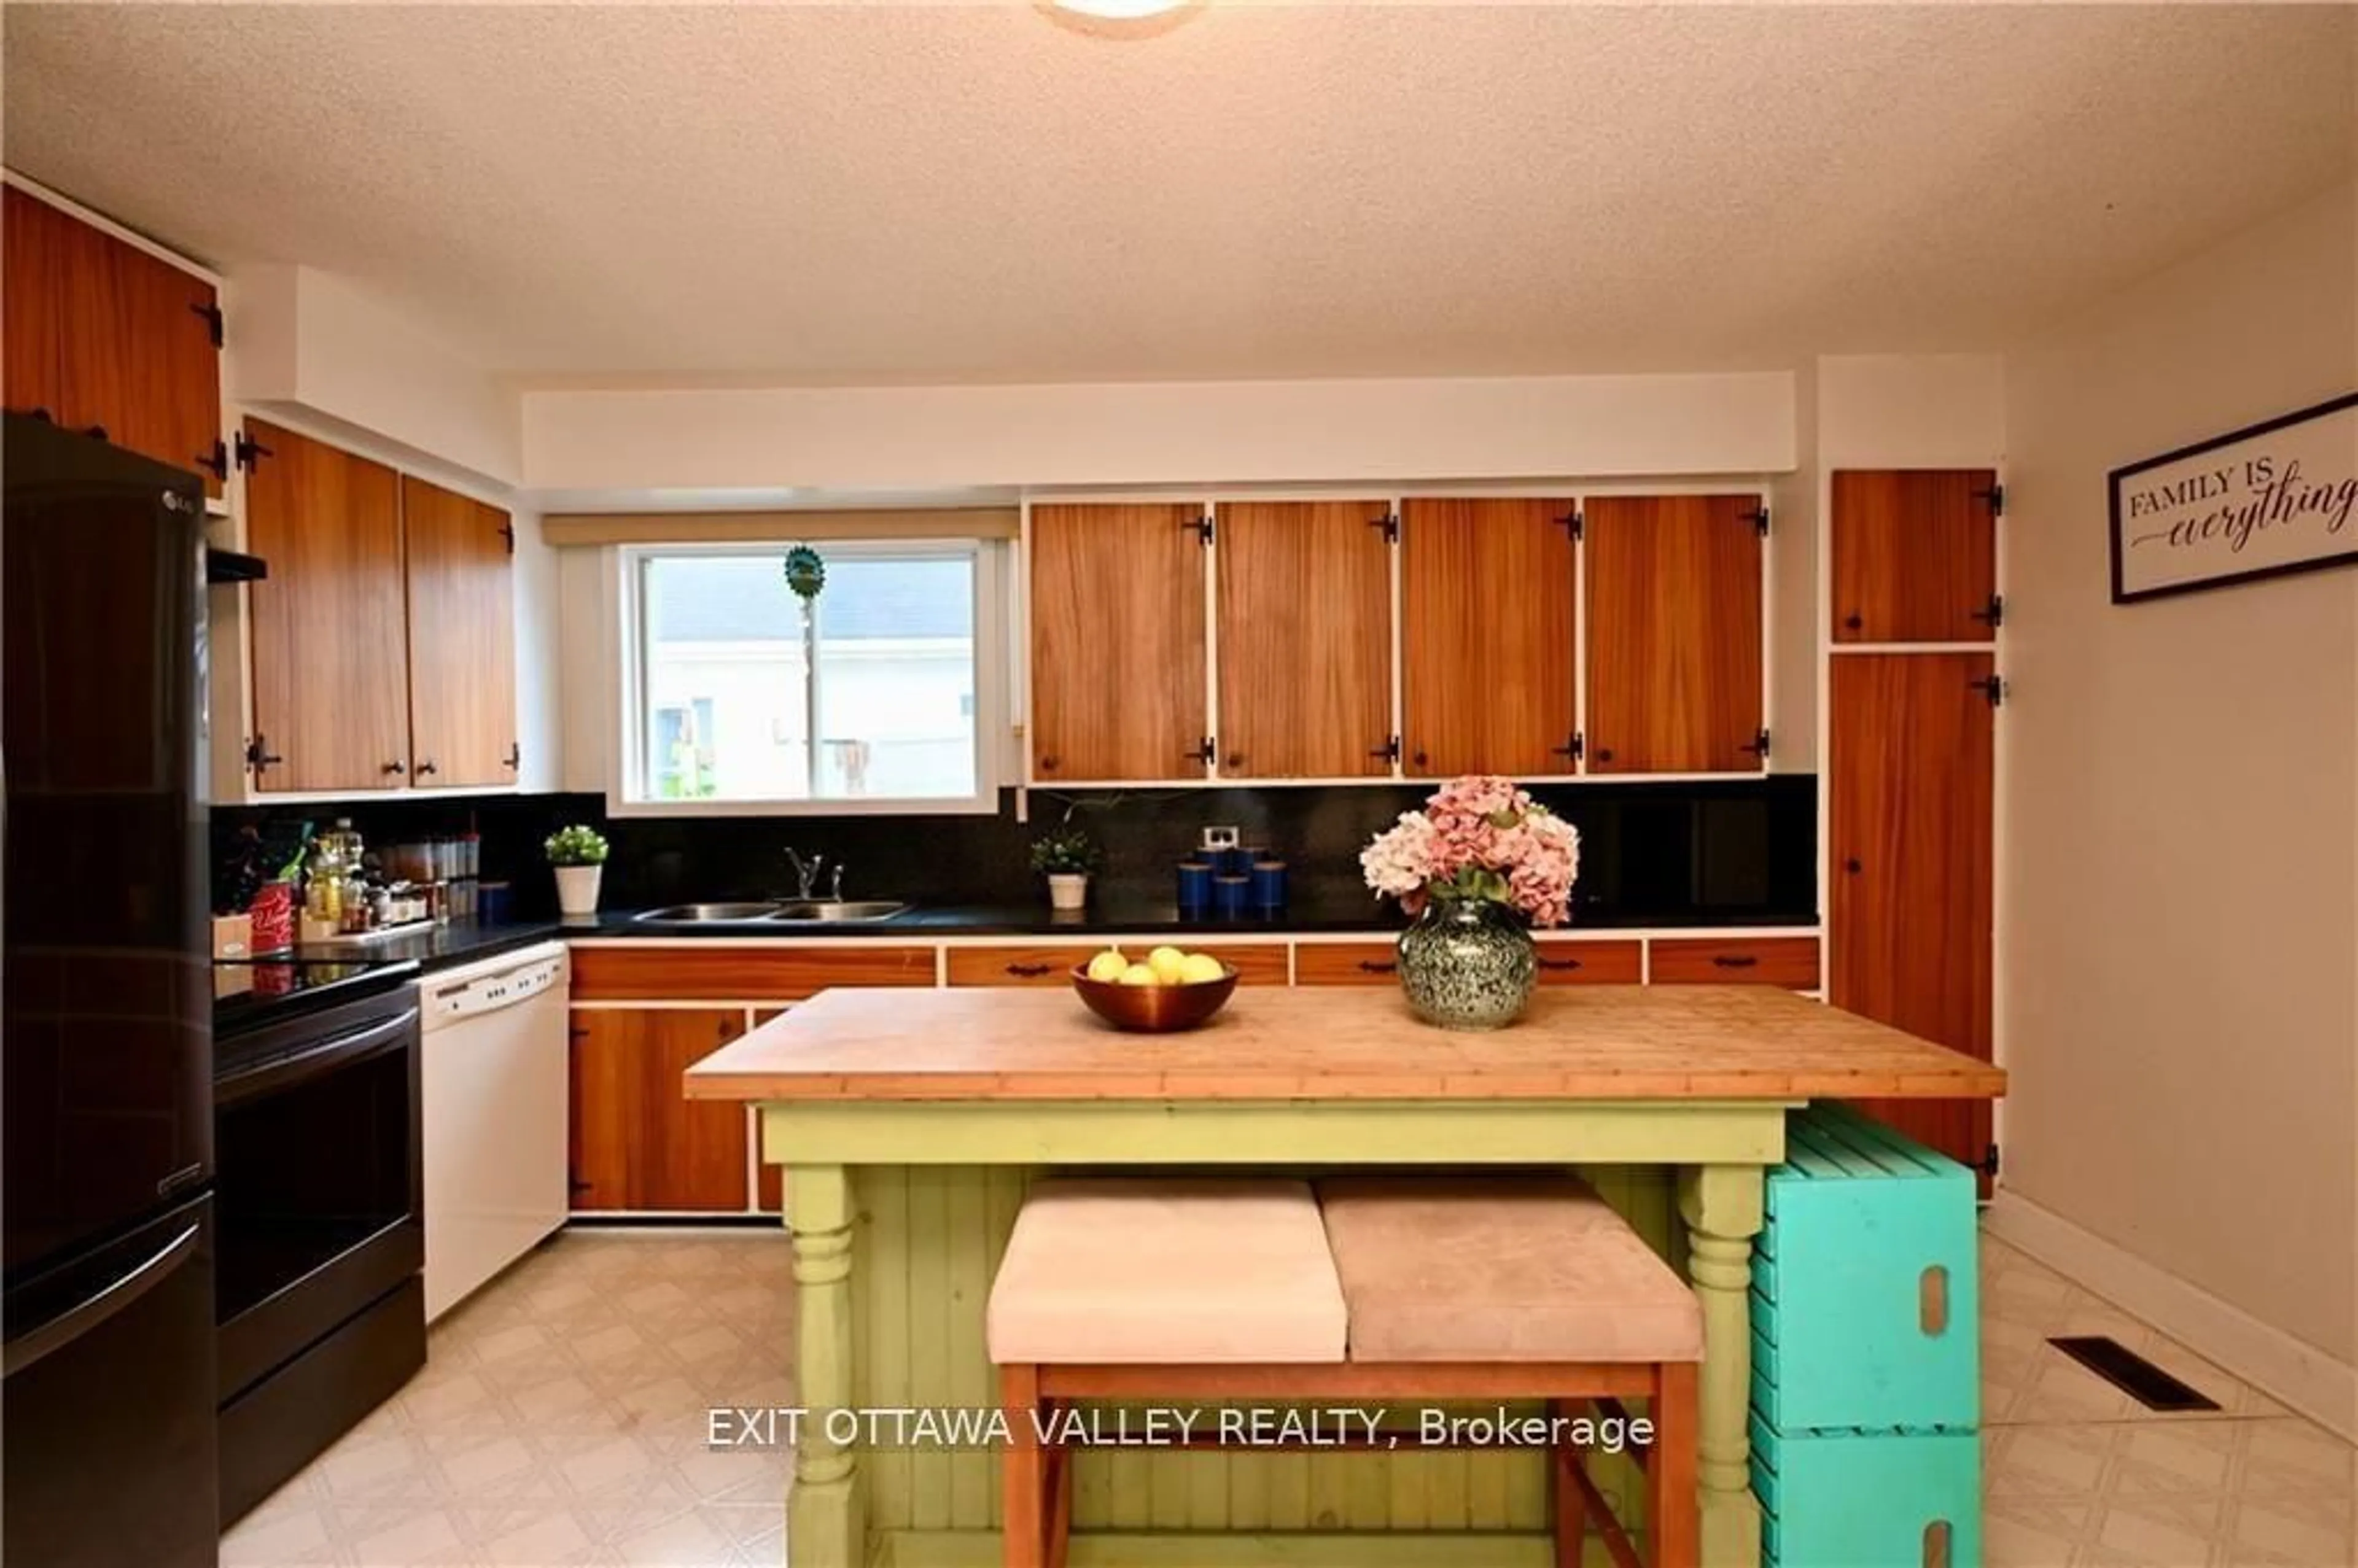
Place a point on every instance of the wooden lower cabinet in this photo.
(638, 1143)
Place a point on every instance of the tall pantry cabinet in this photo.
(1911, 738)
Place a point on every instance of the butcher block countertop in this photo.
(1589, 1043)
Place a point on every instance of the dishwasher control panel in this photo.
(485, 993)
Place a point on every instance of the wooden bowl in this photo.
(1155, 1010)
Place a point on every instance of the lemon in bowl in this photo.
(1168, 991)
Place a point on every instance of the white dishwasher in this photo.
(494, 1100)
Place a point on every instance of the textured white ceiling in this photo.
(882, 193)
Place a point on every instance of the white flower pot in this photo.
(1068, 890)
(577, 888)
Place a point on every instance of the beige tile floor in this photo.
(560, 1422)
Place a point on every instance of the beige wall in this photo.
(2179, 826)
(936, 438)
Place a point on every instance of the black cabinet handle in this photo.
(1029, 971)
(1853, 622)
(1419, 759)
(1048, 764)
(1379, 965)
(258, 755)
(1604, 753)
(1734, 960)
(1559, 963)
(1233, 760)
(1203, 752)
(427, 767)
(515, 759)
(392, 768)
(1853, 866)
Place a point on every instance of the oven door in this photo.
(316, 1134)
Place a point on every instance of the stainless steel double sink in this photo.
(783, 911)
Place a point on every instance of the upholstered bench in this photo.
(1403, 1289)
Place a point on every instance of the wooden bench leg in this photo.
(1671, 1518)
(1060, 1505)
(1571, 1507)
(1022, 1477)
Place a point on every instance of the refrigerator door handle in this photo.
(79, 1319)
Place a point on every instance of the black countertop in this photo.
(289, 981)
(443, 946)
(1140, 916)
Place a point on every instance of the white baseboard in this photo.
(2286, 1369)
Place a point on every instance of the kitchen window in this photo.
(872, 695)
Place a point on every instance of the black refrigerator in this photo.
(106, 1323)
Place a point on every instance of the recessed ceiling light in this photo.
(1120, 18)
(1119, 10)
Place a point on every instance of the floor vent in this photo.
(2131, 1373)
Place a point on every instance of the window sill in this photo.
(863, 806)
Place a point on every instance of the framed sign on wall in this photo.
(2276, 497)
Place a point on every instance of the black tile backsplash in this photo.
(1743, 849)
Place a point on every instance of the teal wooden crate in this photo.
(1862, 1499)
(1866, 1283)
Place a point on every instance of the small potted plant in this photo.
(1066, 857)
(579, 855)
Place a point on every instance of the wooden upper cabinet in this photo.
(1305, 639)
(1117, 643)
(1909, 829)
(107, 336)
(331, 660)
(462, 708)
(1673, 618)
(38, 242)
(1486, 636)
(1914, 555)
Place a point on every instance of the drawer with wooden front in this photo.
(1051, 963)
(1580, 962)
(1789, 961)
(734, 971)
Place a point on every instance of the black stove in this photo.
(249, 993)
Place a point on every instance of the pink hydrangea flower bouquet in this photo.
(1478, 838)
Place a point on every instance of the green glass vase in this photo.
(1467, 964)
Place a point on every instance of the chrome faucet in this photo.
(807, 872)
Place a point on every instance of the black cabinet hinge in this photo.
(214, 324)
(1991, 687)
(258, 754)
(1390, 752)
(1203, 527)
(1993, 613)
(515, 759)
(1759, 746)
(216, 463)
(1574, 524)
(1987, 1165)
(1206, 749)
(1758, 518)
(507, 531)
(248, 451)
(1575, 748)
(1993, 497)
(1389, 524)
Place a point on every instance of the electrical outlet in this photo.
(1222, 838)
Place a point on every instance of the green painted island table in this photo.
(909, 1122)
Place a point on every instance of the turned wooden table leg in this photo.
(826, 1524)
(1722, 1207)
